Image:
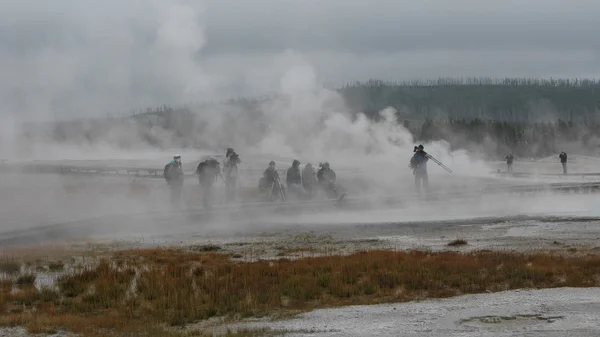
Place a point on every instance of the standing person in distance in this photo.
(309, 180)
(509, 162)
(270, 184)
(230, 169)
(208, 171)
(326, 177)
(418, 163)
(293, 180)
(563, 161)
(173, 174)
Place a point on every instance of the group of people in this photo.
(302, 184)
(208, 171)
(510, 159)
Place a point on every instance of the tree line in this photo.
(518, 100)
(494, 139)
(515, 100)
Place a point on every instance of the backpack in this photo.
(413, 162)
(169, 174)
(166, 170)
(200, 167)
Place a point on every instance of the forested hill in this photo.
(492, 117)
(511, 100)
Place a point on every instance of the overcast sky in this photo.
(63, 58)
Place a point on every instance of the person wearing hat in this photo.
(327, 178)
(173, 174)
(419, 165)
(269, 183)
(230, 170)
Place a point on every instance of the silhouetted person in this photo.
(563, 161)
(173, 174)
(269, 183)
(418, 163)
(309, 179)
(509, 163)
(326, 178)
(207, 172)
(230, 168)
(293, 180)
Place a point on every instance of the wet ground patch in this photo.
(509, 321)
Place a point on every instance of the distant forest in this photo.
(494, 139)
(516, 100)
(528, 117)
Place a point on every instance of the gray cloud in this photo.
(398, 26)
(65, 58)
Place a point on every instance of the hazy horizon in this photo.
(78, 59)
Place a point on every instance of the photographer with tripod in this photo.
(230, 169)
(269, 184)
(418, 163)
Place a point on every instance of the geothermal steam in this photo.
(156, 60)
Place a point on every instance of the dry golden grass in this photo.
(35, 253)
(143, 291)
(5, 286)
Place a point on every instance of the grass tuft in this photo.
(56, 266)
(6, 286)
(205, 248)
(9, 266)
(25, 280)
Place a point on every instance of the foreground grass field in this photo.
(153, 292)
